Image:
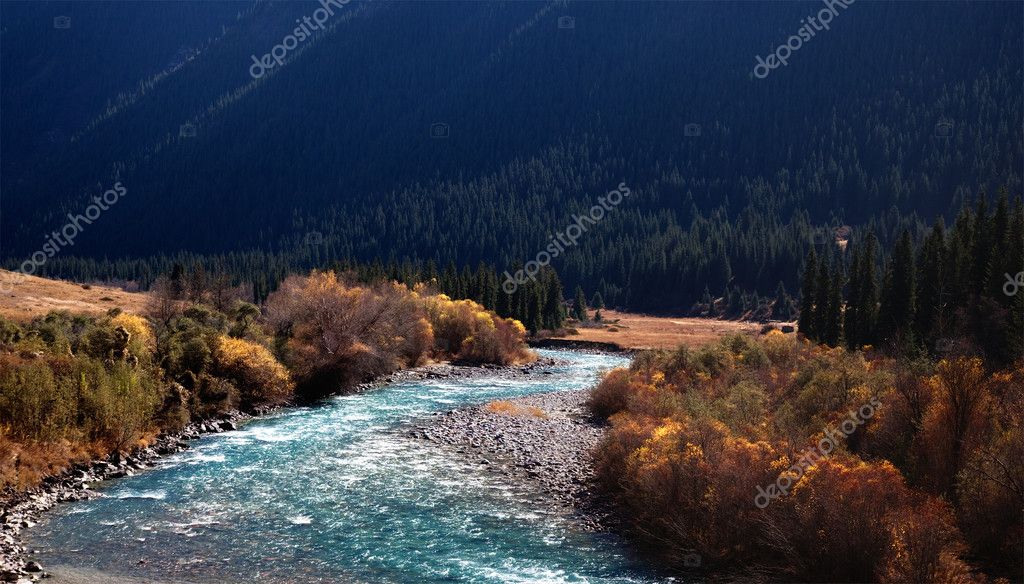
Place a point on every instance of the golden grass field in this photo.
(35, 296)
(638, 331)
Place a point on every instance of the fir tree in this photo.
(579, 305)
(808, 293)
(896, 316)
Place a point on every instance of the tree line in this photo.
(955, 290)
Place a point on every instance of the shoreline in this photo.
(21, 509)
(553, 451)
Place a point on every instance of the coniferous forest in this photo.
(733, 178)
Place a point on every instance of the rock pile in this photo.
(553, 449)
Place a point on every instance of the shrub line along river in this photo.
(339, 492)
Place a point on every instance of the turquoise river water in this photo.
(337, 493)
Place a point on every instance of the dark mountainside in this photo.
(471, 132)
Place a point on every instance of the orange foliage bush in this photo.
(340, 334)
(612, 394)
(696, 434)
(512, 409)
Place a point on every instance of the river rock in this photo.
(553, 451)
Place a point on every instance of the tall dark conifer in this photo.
(808, 293)
(932, 289)
(896, 316)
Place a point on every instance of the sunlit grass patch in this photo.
(512, 409)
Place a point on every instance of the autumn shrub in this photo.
(953, 424)
(508, 408)
(990, 486)
(612, 394)
(117, 403)
(257, 374)
(697, 434)
(467, 332)
(33, 405)
(142, 341)
(213, 396)
(338, 334)
(55, 397)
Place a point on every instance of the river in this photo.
(337, 493)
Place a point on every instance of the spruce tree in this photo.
(896, 317)
(833, 318)
(931, 284)
(867, 293)
(554, 313)
(535, 303)
(579, 305)
(780, 308)
(852, 324)
(822, 287)
(808, 293)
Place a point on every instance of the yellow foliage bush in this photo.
(259, 377)
(142, 342)
(468, 332)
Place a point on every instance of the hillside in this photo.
(479, 131)
(36, 296)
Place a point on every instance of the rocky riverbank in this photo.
(460, 371)
(20, 510)
(547, 438)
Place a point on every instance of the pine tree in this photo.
(579, 305)
(823, 286)
(808, 293)
(867, 293)
(833, 318)
(896, 316)
(554, 313)
(780, 307)
(1000, 247)
(931, 283)
(533, 320)
(981, 249)
(853, 330)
